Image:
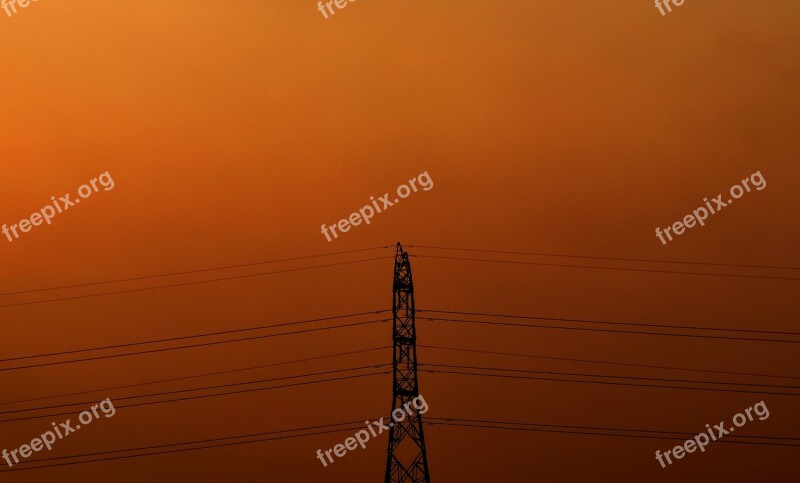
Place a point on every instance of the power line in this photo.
(163, 451)
(194, 336)
(615, 331)
(593, 361)
(636, 378)
(203, 396)
(196, 376)
(589, 321)
(605, 428)
(200, 270)
(595, 433)
(189, 346)
(223, 438)
(620, 259)
(517, 262)
(204, 388)
(173, 448)
(610, 383)
(183, 284)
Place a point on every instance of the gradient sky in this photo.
(233, 130)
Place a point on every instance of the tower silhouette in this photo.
(406, 460)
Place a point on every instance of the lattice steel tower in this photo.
(407, 460)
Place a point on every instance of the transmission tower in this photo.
(407, 460)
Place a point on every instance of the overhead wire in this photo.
(190, 346)
(608, 432)
(197, 282)
(195, 376)
(607, 322)
(614, 331)
(593, 267)
(619, 259)
(595, 361)
(165, 448)
(203, 388)
(187, 272)
(203, 396)
(609, 376)
(609, 383)
(225, 441)
(682, 435)
(193, 336)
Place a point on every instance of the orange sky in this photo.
(234, 130)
